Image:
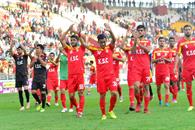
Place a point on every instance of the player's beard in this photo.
(187, 35)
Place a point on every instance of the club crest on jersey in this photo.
(99, 52)
(103, 61)
(158, 54)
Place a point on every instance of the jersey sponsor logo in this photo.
(140, 51)
(158, 54)
(103, 61)
(74, 58)
(38, 66)
(51, 70)
(190, 53)
(20, 62)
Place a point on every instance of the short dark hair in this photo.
(41, 46)
(74, 36)
(51, 53)
(161, 38)
(141, 26)
(91, 62)
(187, 25)
(101, 36)
(171, 38)
(19, 47)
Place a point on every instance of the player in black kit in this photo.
(21, 62)
(38, 62)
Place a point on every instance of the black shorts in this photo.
(38, 85)
(21, 83)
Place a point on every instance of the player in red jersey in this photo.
(186, 48)
(52, 78)
(161, 58)
(173, 76)
(130, 59)
(75, 54)
(105, 72)
(141, 66)
(117, 57)
(92, 78)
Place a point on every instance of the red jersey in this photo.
(161, 66)
(129, 54)
(52, 72)
(104, 60)
(173, 58)
(187, 49)
(141, 57)
(116, 63)
(75, 59)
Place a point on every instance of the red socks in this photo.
(189, 93)
(112, 102)
(63, 100)
(131, 96)
(48, 98)
(166, 98)
(102, 105)
(81, 103)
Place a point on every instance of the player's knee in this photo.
(20, 89)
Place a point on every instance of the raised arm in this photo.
(108, 28)
(43, 63)
(62, 38)
(23, 48)
(11, 48)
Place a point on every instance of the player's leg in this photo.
(56, 88)
(166, 94)
(43, 95)
(20, 95)
(175, 89)
(146, 97)
(189, 95)
(113, 100)
(151, 92)
(102, 103)
(27, 94)
(158, 84)
(159, 93)
(62, 94)
(34, 94)
(119, 89)
(81, 102)
(49, 95)
(131, 91)
(49, 92)
(137, 96)
(81, 88)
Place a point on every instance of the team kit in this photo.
(105, 74)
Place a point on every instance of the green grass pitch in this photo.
(174, 117)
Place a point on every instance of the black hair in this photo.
(74, 36)
(51, 53)
(161, 38)
(141, 26)
(171, 38)
(19, 47)
(101, 36)
(41, 46)
(91, 62)
(187, 25)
